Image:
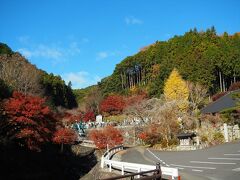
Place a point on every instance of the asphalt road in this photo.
(216, 163)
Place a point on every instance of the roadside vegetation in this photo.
(158, 92)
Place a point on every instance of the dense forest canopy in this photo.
(200, 57)
(17, 73)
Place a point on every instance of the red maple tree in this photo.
(112, 104)
(108, 136)
(64, 136)
(71, 119)
(89, 116)
(31, 121)
(135, 99)
(234, 86)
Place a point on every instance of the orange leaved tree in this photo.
(64, 136)
(107, 136)
(29, 120)
(112, 105)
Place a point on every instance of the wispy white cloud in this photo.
(167, 35)
(73, 48)
(85, 40)
(102, 55)
(131, 20)
(81, 79)
(106, 54)
(24, 39)
(53, 51)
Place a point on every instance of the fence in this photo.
(148, 175)
(88, 143)
(133, 167)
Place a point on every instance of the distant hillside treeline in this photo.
(200, 57)
(16, 73)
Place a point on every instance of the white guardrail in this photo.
(132, 167)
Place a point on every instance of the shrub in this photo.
(204, 138)
(234, 86)
(108, 136)
(218, 95)
(173, 142)
(218, 138)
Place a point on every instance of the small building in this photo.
(186, 141)
(224, 102)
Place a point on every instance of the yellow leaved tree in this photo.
(175, 89)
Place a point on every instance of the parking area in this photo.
(219, 162)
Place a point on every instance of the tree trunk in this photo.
(234, 77)
(61, 148)
(166, 137)
(224, 84)
(122, 80)
(220, 80)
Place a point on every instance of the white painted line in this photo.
(180, 168)
(231, 154)
(202, 162)
(157, 158)
(192, 166)
(237, 169)
(197, 170)
(234, 159)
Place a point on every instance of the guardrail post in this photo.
(122, 169)
(108, 156)
(110, 167)
(139, 170)
(158, 167)
(102, 162)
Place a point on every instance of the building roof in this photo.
(186, 135)
(222, 103)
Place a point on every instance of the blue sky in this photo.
(83, 40)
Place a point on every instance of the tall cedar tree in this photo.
(108, 136)
(31, 121)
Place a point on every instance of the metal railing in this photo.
(133, 167)
(88, 143)
(146, 175)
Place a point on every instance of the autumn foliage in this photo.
(234, 86)
(151, 135)
(64, 136)
(135, 99)
(175, 87)
(218, 95)
(31, 121)
(70, 119)
(112, 105)
(109, 135)
(89, 116)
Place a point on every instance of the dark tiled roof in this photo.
(220, 104)
(186, 135)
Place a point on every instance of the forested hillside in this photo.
(16, 73)
(200, 57)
